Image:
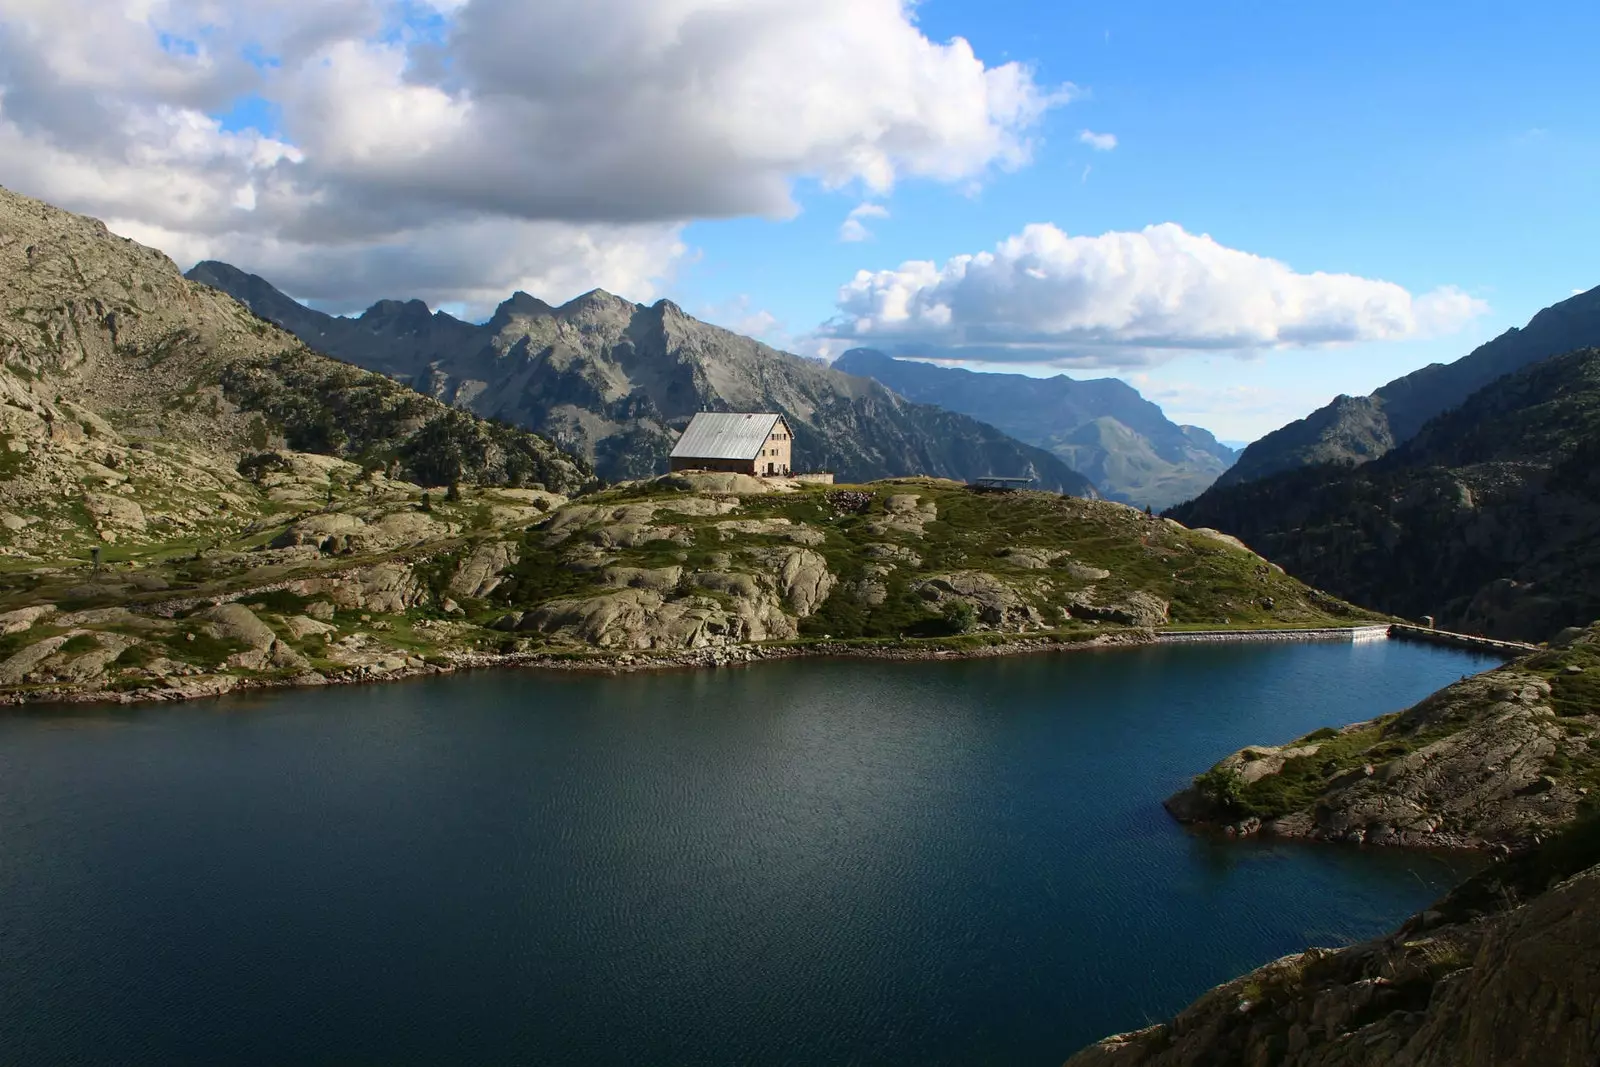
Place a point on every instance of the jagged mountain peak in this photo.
(404, 314)
(597, 300)
(616, 381)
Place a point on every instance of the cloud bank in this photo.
(1124, 299)
(456, 148)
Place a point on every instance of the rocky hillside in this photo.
(1102, 427)
(1488, 518)
(1494, 760)
(1499, 972)
(138, 408)
(1359, 429)
(367, 578)
(616, 382)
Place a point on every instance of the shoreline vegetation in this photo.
(354, 576)
(979, 646)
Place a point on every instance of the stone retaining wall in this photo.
(1332, 633)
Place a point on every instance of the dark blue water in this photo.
(801, 863)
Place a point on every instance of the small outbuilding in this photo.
(758, 444)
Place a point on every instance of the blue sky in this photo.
(1426, 144)
(1242, 208)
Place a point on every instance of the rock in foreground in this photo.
(1503, 972)
(1494, 760)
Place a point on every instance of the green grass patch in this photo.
(140, 655)
(80, 643)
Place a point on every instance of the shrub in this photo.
(135, 656)
(959, 616)
(80, 643)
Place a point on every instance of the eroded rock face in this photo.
(996, 603)
(802, 578)
(1133, 609)
(642, 619)
(387, 587)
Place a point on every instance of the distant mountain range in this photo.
(1487, 517)
(615, 382)
(1102, 427)
(1360, 429)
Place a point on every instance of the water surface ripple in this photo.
(800, 863)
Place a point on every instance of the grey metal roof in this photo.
(725, 435)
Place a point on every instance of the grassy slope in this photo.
(1204, 579)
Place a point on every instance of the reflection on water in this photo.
(807, 862)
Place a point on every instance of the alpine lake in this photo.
(805, 862)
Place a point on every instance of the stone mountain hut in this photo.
(758, 444)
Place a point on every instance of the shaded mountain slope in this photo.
(1487, 519)
(1359, 429)
(1102, 427)
(616, 382)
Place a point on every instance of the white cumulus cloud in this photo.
(853, 229)
(1124, 299)
(550, 126)
(1100, 142)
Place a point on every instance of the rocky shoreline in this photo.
(1494, 762)
(203, 686)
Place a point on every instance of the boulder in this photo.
(330, 531)
(239, 623)
(907, 514)
(300, 627)
(108, 510)
(995, 602)
(804, 580)
(480, 571)
(14, 622)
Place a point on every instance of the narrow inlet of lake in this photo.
(806, 862)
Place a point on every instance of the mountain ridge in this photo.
(1361, 429)
(1488, 518)
(1103, 428)
(615, 382)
